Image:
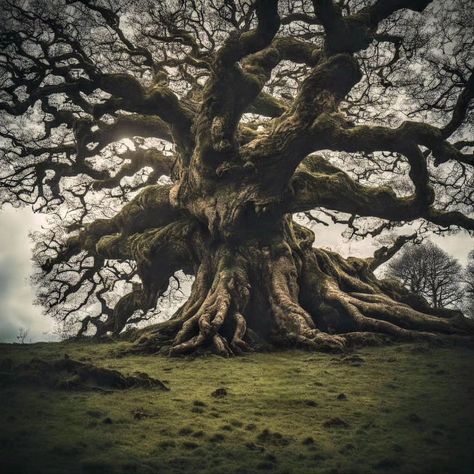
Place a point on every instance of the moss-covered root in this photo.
(288, 294)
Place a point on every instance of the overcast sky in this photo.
(17, 296)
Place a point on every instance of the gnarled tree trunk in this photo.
(268, 287)
(259, 282)
(227, 216)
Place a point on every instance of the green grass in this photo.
(405, 410)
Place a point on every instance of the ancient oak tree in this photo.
(185, 136)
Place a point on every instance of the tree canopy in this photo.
(179, 137)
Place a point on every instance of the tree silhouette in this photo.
(469, 285)
(428, 271)
(183, 136)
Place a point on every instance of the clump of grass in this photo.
(277, 439)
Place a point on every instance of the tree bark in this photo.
(265, 286)
(227, 217)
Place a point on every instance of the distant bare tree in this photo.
(22, 335)
(469, 286)
(428, 271)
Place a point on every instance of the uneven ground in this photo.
(398, 409)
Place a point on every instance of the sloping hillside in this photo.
(401, 409)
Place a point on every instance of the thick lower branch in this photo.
(316, 183)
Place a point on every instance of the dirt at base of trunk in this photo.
(70, 374)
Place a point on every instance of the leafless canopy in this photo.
(165, 136)
(428, 271)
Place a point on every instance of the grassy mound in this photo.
(398, 409)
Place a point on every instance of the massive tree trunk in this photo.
(272, 289)
(236, 182)
(259, 282)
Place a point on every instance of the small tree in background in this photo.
(22, 336)
(469, 286)
(428, 271)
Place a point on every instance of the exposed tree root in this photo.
(289, 294)
(373, 311)
(292, 321)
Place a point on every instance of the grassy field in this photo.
(397, 409)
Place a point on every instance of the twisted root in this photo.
(284, 297)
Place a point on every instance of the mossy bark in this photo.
(227, 217)
(261, 284)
